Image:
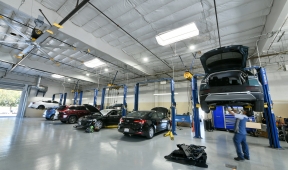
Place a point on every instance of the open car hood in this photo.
(225, 58)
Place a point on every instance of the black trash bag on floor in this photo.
(190, 155)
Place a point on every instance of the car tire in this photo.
(150, 133)
(72, 119)
(99, 124)
(52, 117)
(63, 121)
(41, 107)
(258, 106)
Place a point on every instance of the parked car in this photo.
(43, 104)
(227, 81)
(74, 112)
(100, 119)
(52, 113)
(145, 123)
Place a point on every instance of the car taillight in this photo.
(140, 121)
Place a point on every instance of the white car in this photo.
(44, 104)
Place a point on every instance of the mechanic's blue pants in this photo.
(241, 139)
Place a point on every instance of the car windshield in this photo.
(105, 111)
(138, 113)
(160, 109)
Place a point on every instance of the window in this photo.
(72, 108)
(154, 115)
(161, 115)
(113, 113)
(91, 108)
(137, 114)
(253, 82)
(81, 108)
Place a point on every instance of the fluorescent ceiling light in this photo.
(163, 94)
(94, 63)
(57, 76)
(192, 47)
(145, 59)
(119, 96)
(69, 79)
(178, 34)
(106, 69)
(87, 74)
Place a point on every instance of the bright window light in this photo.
(163, 94)
(94, 63)
(57, 76)
(178, 34)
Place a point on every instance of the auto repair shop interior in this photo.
(143, 84)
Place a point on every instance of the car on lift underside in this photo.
(227, 82)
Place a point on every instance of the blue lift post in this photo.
(61, 97)
(65, 97)
(80, 98)
(173, 103)
(124, 109)
(75, 97)
(268, 112)
(95, 97)
(196, 106)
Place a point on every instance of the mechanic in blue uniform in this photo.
(240, 133)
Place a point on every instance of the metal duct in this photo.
(41, 89)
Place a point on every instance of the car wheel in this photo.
(99, 124)
(52, 117)
(72, 119)
(63, 121)
(41, 107)
(150, 133)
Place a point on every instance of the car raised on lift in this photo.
(227, 82)
(145, 123)
(44, 104)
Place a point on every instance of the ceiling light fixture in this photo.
(87, 74)
(106, 69)
(192, 47)
(163, 94)
(69, 79)
(145, 59)
(94, 63)
(57, 76)
(178, 34)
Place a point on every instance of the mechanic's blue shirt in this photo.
(240, 124)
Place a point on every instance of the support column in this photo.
(103, 99)
(124, 108)
(65, 97)
(196, 106)
(80, 98)
(95, 97)
(75, 97)
(173, 107)
(136, 97)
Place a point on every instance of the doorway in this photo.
(9, 102)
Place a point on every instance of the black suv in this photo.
(227, 81)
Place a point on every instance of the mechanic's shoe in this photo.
(238, 159)
(247, 158)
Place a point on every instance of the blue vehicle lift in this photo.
(76, 97)
(173, 103)
(95, 97)
(62, 98)
(196, 105)
(268, 106)
(124, 108)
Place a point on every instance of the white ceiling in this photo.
(240, 22)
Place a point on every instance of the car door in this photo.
(112, 117)
(163, 121)
(155, 120)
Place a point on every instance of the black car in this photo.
(145, 123)
(227, 81)
(100, 119)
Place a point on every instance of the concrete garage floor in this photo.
(34, 143)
